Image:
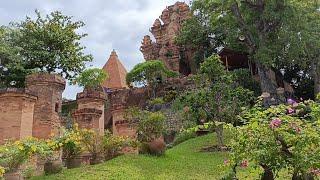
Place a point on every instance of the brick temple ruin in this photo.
(36, 110)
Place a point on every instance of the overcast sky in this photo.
(110, 24)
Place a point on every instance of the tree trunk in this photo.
(219, 132)
(267, 174)
(266, 82)
(316, 77)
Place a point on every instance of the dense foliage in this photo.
(91, 78)
(72, 142)
(47, 43)
(277, 138)
(275, 34)
(218, 99)
(150, 73)
(14, 154)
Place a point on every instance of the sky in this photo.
(110, 24)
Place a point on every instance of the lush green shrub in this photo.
(277, 138)
(150, 126)
(113, 145)
(244, 78)
(2, 171)
(14, 154)
(91, 78)
(170, 96)
(156, 101)
(70, 141)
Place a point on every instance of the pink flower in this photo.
(244, 164)
(315, 172)
(275, 123)
(291, 101)
(226, 162)
(296, 128)
(290, 111)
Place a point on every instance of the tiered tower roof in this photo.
(116, 73)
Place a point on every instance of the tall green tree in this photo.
(301, 42)
(252, 26)
(51, 44)
(219, 100)
(149, 73)
(12, 71)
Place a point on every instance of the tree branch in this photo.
(243, 26)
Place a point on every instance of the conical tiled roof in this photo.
(116, 73)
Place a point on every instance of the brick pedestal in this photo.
(90, 113)
(49, 88)
(88, 118)
(16, 113)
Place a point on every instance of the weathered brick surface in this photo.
(16, 114)
(90, 113)
(49, 88)
(88, 118)
(175, 57)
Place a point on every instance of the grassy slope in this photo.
(181, 162)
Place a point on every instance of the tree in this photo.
(149, 73)
(220, 100)
(301, 41)
(51, 44)
(12, 71)
(91, 78)
(252, 27)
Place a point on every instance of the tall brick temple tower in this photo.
(48, 88)
(116, 73)
(165, 30)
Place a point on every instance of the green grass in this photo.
(184, 161)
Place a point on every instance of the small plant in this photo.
(113, 145)
(151, 126)
(156, 101)
(14, 154)
(91, 78)
(28, 172)
(92, 142)
(2, 171)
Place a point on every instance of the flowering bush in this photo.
(70, 142)
(13, 154)
(277, 138)
(112, 145)
(2, 171)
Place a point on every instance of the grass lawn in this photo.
(184, 161)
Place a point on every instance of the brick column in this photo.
(90, 113)
(88, 118)
(49, 88)
(16, 113)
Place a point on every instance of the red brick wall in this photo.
(49, 88)
(16, 115)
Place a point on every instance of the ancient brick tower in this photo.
(165, 30)
(48, 88)
(116, 73)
